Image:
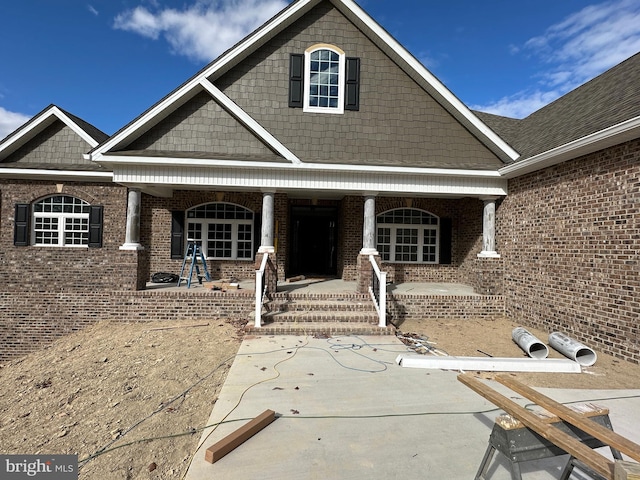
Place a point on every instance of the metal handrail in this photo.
(261, 290)
(378, 291)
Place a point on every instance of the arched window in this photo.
(224, 230)
(60, 220)
(324, 88)
(408, 235)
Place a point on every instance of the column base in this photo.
(262, 249)
(131, 246)
(488, 254)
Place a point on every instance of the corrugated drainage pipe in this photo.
(529, 343)
(572, 349)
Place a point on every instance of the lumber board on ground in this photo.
(627, 470)
(594, 429)
(219, 449)
(579, 450)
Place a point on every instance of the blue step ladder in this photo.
(194, 254)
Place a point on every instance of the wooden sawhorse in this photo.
(520, 444)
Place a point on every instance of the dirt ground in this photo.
(130, 399)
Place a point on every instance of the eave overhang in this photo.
(614, 135)
(308, 179)
(46, 174)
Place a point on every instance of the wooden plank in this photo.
(569, 444)
(219, 449)
(507, 422)
(594, 429)
(627, 470)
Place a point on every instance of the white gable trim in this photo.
(436, 87)
(281, 21)
(614, 135)
(38, 124)
(248, 121)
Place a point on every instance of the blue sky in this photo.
(107, 61)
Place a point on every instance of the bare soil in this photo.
(131, 399)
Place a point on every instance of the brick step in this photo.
(332, 305)
(318, 328)
(318, 315)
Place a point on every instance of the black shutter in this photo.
(257, 231)
(352, 84)
(177, 234)
(296, 80)
(95, 226)
(21, 225)
(445, 241)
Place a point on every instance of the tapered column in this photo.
(132, 232)
(266, 238)
(489, 229)
(369, 227)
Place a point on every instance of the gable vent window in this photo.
(324, 80)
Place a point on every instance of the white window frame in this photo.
(307, 81)
(235, 223)
(61, 218)
(394, 227)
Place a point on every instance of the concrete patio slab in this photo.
(346, 410)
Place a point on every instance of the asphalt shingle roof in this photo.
(607, 100)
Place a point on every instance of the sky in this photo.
(107, 61)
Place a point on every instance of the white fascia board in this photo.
(489, 364)
(438, 87)
(115, 160)
(614, 135)
(195, 82)
(75, 127)
(40, 124)
(244, 118)
(37, 173)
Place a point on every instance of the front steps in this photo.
(320, 315)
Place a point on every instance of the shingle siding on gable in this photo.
(56, 145)
(201, 125)
(398, 123)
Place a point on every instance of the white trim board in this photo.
(489, 364)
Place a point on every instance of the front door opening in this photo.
(313, 243)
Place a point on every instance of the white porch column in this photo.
(132, 233)
(489, 229)
(266, 239)
(369, 228)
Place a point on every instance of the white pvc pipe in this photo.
(572, 349)
(529, 343)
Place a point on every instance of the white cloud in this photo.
(92, 9)
(203, 30)
(9, 121)
(573, 51)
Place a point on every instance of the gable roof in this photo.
(600, 113)
(52, 119)
(233, 56)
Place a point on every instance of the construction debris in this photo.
(484, 364)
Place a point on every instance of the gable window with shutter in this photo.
(324, 80)
(58, 221)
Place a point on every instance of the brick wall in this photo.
(31, 320)
(570, 240)
(64, 268)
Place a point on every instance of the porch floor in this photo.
(335, 285)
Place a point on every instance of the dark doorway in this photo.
(313, 243)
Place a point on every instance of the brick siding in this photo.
(570, 240)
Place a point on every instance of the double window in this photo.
(224, 230)
(58, 221)
(324, 80)
(408, 235)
